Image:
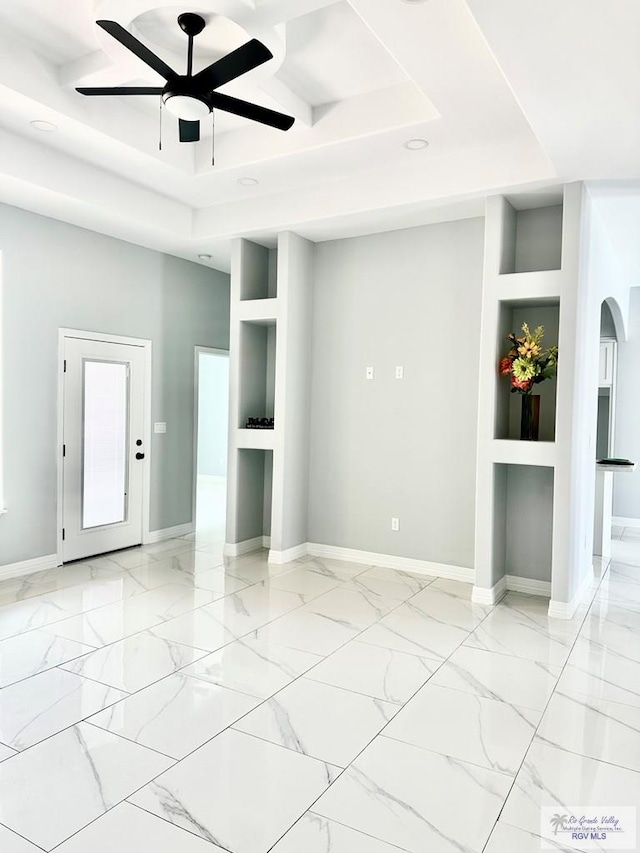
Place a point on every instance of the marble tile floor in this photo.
(166, 698)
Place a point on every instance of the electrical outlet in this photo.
(399, 372)
(395, 524)
(369, 373)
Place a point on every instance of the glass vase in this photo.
(530, 417)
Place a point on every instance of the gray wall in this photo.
(626, 487)
(387, 447)
(56, 275)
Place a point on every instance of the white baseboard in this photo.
(567, 609)
(168, 533)
(620, 521)
(388, 561)
(266, 542)
(237, 549)
(490, 595)
(290, 554)
(28, 567)
(528, 586)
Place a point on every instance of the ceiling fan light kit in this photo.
(188, 97)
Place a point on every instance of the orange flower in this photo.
(505, 367)
(520, 384)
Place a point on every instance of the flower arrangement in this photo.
(526, 362)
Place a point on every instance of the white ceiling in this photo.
(510, 95)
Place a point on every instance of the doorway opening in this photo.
(211, 442)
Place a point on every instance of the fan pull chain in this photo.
(160, 139)
(213, 138)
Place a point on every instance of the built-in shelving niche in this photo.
(508, 406)
(259, 273)
(255, 486)
(258, 370)
(531, 238)
(523, 521)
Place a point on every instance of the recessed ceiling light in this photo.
(205, 257)
(44, 126)
(416, 144)
(248, 182)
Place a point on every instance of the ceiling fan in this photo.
(192, 97)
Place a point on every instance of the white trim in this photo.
(196, 394)
(280, 557)
(28, 567)
(237, 549)
(388, 561)
(490, 595)
(567, 609)
(620, 521)
(2, 506)
(168, 533)
(528, 586)
(266, 542)
(144, 344)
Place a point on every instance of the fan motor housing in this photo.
(182, 100)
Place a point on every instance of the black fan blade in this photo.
(122, 90)
(250, 111)
(136, 47)
(238, 62)
(189, 130)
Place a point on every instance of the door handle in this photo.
(139, 455)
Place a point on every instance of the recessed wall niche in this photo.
(257, 358)
(260, 278)
(532, 239)
(523, 533)
(508, 406)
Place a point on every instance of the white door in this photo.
(103, 446)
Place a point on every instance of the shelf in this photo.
(531, 237)
(529, 287)
(255, 439)
(512, 452)
(262, 312)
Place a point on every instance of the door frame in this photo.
(196, 395)
(145, 345)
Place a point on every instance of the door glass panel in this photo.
(105, 442)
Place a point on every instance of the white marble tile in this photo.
(308, 632)
(375, 671)
(250, 608)
(114, 622)
(330, 568)
(44, 610)
(218, 581)
(533, 611)
(554, 778)
(410, 631)
(355, 608)
(596, 728)
(49, 580)
(128, 829)
(457, 588)
(253, 667)
(603, 672)
(318, 720)
(45, 704)
(617, 590)
(510, 839)
(200, 629)
(5, 753)
(447, 608)
(34, 652)
(193, 562)
(237, 791)
(625, 550)
(315, 834)
(471, 728)
(58, 786)
(624, 572)
(524, 684)
(414, 799)
(252, 569)
(413, 580)
(12, 843)
(175, 715)
(134, 663)
(167, 547)
(310, 584)
(508, 635)
(371, 585)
